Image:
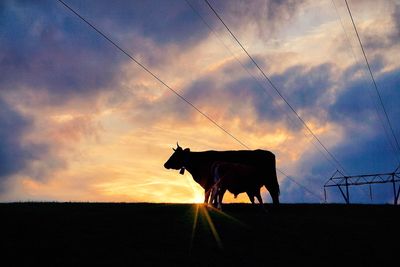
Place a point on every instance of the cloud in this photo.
(355, 104)
(163, 22)
(364, 146)
(15, 153)
(396, 18)
(234, 96)
(291, 192)
(267, 17)
(305, 86)
(49, 50)
(381, 32)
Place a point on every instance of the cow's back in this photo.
(247, 157)
(262, 160)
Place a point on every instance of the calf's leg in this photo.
(258, 196)
(251, 197)
(221, 194)
(206, 195)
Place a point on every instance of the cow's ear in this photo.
(187, 150)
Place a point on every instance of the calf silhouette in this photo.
(236, 178)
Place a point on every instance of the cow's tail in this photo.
(274, 190)
(276, 183)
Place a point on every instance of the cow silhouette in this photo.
(200, 166)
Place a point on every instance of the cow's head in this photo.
(178, 159)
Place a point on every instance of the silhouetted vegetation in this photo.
(116, 234)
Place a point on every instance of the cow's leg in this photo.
(275, 199)
(259, 198)
(274, 192)
(216, 186)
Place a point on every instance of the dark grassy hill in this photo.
(54, 234)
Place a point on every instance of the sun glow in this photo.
(198, 192)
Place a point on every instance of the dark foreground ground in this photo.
(54, 234)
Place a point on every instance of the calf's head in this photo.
(178, 159)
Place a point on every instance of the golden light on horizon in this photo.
(83, 122)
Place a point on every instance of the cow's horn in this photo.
(177, 145)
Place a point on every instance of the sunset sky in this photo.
(81, 121)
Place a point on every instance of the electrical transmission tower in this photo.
(343, 183)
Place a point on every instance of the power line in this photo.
(274, 87)
(167, 86)
(378, 114)
(372, 76)
(302, 186)
(344, 30)
(152, 74)
(254, 78)
(264, 89)
(371, 97)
